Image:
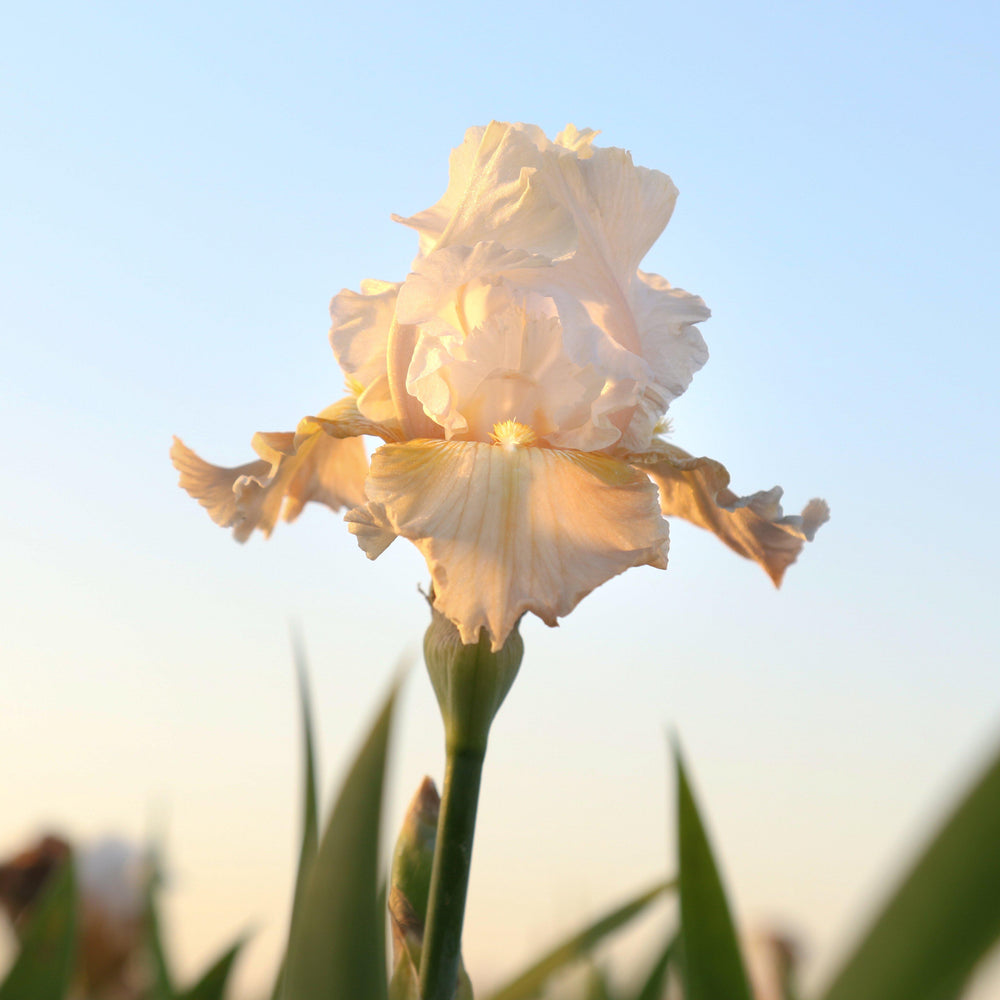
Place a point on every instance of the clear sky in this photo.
(186, 185)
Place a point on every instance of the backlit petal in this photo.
(309, 465)
(495, 193)
(359, 336)
(508, 529)
(697, 489)
(672, 346)
(212, 486)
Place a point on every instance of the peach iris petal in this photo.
(755, 526)
(508, 529)
(309, 465)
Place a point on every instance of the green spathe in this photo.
(470, 681)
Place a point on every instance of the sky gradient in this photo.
(185, 188)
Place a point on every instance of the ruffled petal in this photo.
(631, 326)
(697, 489)
(344, 420)
(438, 285)
(512, 367)
(508, 529)
(309, 465)
(495, 193)
(372, 529)
(359, 336)
(212, 486)
(672, 346)
(580, 142)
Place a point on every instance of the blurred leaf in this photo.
(945, 915)
(597, 985)
(162, 986)
(310, 795)
(212, 984)
(656, 982)
(711, 966)
(336, 948)
(43, 969)
(531, 982)
(310, 811)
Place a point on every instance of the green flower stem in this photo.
(470, 682)
(450, 874)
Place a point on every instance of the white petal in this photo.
(309, 465)
(438, 282)
(513, 367)
(359, 335)
(671, 345)
(494, 193)
(626, 209)
(632, 327)
(343, 420)
(509, 530)
(212, 486)
(580, 142)
(372, 529)
(697, 489)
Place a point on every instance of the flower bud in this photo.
(470, 681)
(409, 890)
(412, 861)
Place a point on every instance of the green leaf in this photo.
(945, 915)
(310, 809)
(656, 982)
(336, 947)
(597, 985)
(530, 982)
(43, 969)
(162, 987)
(711, 966)
(310, 795)
(212, 984)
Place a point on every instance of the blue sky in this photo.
(185, 188)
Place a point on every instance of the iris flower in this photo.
(518, 379)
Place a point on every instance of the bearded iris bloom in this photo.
(518, 379)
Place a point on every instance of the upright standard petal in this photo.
(631, 326)
(359, 336)
(309, 465)
(671, 344)
(697, 489)
(495, 193)
(507, 528)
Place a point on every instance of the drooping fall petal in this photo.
(507, 529)
(697, 489)
(309, 465)
(212, 486)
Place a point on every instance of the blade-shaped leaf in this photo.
(161, 987)
(597, 985)
(212, 984)
(336, 948)
(310, 794)
(656, 982)
(711, 966)
(530, 982)
(945, 915)
(310, 809)
(43, 969)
